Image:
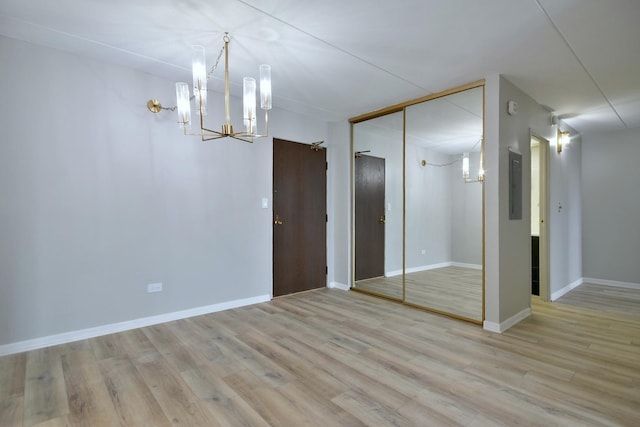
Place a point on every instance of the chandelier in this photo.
(465, 164)
(200, 77)
(465, 169)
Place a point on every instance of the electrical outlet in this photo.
(154, 287)
(424, 251)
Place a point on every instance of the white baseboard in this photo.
(503, 326)
(337, 285)
(557, 294)
(432, 267)
(464, 265)
(393, 273)
(66, 337)
(611, 283)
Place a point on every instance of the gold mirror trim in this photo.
(401, 106)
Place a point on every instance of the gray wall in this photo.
(611, 206)
(427, 208)
(466, 214)
(339, 204)
(100, 197)
(507, 242)
(565, 214)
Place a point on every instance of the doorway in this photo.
(299, 217)
(539, 217)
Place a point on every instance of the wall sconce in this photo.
(563, 139)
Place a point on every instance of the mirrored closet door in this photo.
(420, 241)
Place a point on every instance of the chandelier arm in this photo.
(218, 135)
(243, 139)
(211, 131)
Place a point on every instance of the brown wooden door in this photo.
(300, 217)
(370, 217)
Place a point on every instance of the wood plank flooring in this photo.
(611, 299)
(335, 358)
(454, 290)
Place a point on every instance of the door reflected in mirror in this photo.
(428, 251)
(377, 165)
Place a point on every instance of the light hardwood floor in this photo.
(611, 299)
(454, 290)
(335, 358)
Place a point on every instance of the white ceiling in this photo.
(340, 58)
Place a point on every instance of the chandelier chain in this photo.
(209, 75)
(216, 64)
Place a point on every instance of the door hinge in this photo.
(326, 270)
(326, 218)
(326, 165)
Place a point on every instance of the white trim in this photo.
(464, 265)
(337, 285)
(557, 294)
(393, 273)
(503, 326)
(432, 267)
(66, 337)
(611, 283)
(427, 267)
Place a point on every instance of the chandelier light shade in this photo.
(199, 66)
(249, 103)
(465, 166)
(183, 105)
(265, 87)
(200, 78)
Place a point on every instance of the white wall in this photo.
(611, 206)
(100, 197)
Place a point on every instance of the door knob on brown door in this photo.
(382, 219)
(277, 221)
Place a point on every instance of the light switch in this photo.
(265, 203)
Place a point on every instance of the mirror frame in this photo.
(401, 107)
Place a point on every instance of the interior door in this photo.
(300, 217)
(369, 178)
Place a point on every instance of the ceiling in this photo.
(336, 59)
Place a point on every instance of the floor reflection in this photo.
(454, 290)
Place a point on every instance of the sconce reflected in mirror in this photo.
(563, 139)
